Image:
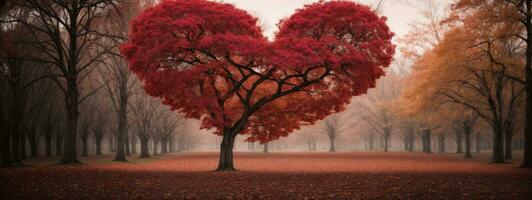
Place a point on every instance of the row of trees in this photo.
(62, 78)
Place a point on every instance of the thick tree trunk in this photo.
(71, 102)
(120, 145)
(371, 142)
(508, 146)
(226, 152)
(459, 142)
(498, 145)
(15, 147)
(144, 153)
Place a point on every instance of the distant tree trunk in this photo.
(371, 142)
(441, 143)
(98, 140)
(265, 148)
(427, 140)
(133, 144)
(48, 141)
(458, 142)
(126, 142)
(155, 147)
(111, 143)
(332, 139)
(84, 145)
(171, 144)
(34, 142)
(58, 143)
(144, 153)
(22, 140)
(467, 133)
(164, 146)
(386, 138)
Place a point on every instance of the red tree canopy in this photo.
(210, 61)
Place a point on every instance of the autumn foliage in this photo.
(210, 61)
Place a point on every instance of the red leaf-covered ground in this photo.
(361, 175)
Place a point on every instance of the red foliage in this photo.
(210, 61)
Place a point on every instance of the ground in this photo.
(190, 175)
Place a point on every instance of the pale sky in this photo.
(400, 13)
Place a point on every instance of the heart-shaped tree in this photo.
(211, 62)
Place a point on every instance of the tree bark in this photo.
(427, 140)
(226, 152)
(84, 146)
(459, 142)
(133, 144)
(441, 143)
(48, 141)
(508, 146)
(72, 115)
(467, 133)
(58, 143)
(386, 138)
(144, 153)
(332, 139)
(498, 145)
(98, 141)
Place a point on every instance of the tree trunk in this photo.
(98, 141)
(71, 102)
(155, 147)
(498, 145)
(22, 140)
(226, 152)
(265, 148)
(84, 146)
(459, 142)
(164, 146)
(441, 143)
(427, 140)
(120, 145)
(332, 139)
(371, 142)
(386, 138)
(34, 143)
(126, 143)
(58, 143)
(48, 141)
(144, 153)
(467, 133)
(508, 145)
(133, 144)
